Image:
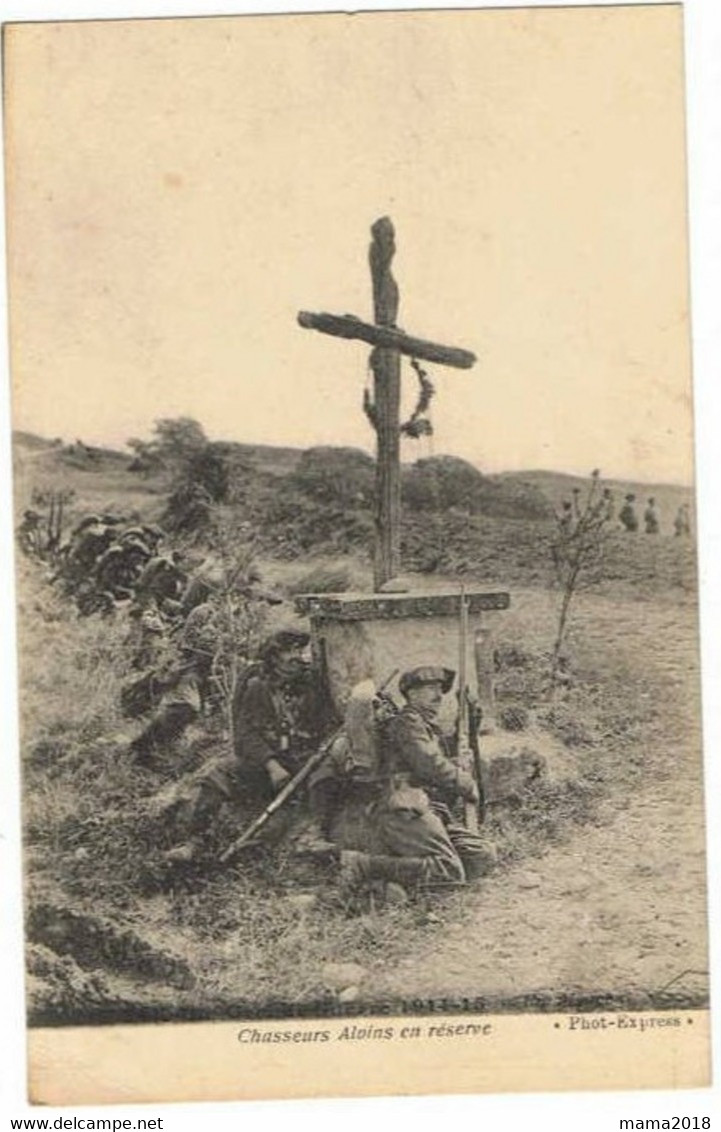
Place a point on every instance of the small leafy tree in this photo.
(146, 459)
(582, 528)
(197, 471)
(175, 442)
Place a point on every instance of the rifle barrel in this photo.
(289, 789)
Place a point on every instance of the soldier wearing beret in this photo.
(415, 835)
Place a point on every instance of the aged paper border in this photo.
(219, 1037)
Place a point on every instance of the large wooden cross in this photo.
(388, 344)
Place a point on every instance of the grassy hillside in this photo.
(318, 504)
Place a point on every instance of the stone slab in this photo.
(383, 607)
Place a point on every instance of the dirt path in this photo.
(619, 910)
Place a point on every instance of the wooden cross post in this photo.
(388, 344)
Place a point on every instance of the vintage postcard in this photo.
(356, 554)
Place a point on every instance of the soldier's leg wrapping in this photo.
(477, 852)
(361, 868)
(408, 834)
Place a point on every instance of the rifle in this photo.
(478, 775)
(466, 756)
(289, 789)
(273, 806)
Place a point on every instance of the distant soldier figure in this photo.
(627, 515)
(682, 522)
(565, 518)
(608, 506)
(650, 518)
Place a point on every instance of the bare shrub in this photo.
(577, 551)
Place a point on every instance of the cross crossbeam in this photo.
(348, 326)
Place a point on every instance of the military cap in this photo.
(427, 674)
(284, 640)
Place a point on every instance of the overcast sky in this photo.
(179, 189)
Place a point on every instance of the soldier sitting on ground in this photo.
(270, 746)
(412, 837)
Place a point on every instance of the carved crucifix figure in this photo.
(388, 344)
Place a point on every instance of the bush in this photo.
(335, 476)
(443, 483)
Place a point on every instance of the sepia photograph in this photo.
(356, 553)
